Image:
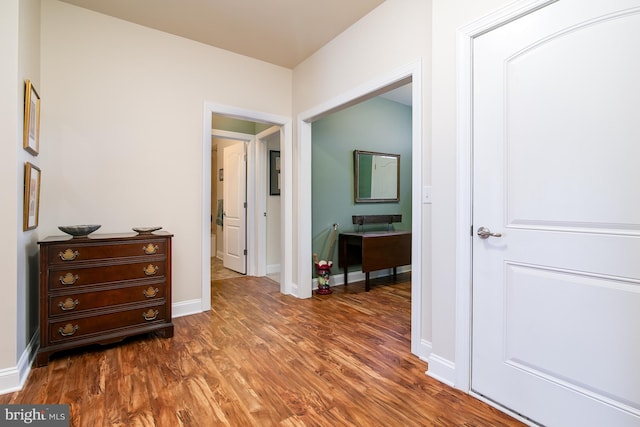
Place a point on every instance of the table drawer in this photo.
(85, 327)
(82, 301)
(76, 276)
(69, 252)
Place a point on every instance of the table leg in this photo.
(366, 281)
(346, 274)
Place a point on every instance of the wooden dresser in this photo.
(103, 288)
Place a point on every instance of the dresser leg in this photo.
(42, 359)
(366, 281)
(166, 332)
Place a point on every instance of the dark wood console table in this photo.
(374, 250)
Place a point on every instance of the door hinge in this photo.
(245, 205)
(471, 230)
(245, 251)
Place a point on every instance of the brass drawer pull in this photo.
(68, 330)
(150, 270)
(68, 255)
(150, 249)
(150, 292)
(150, 314)
(69, 279)
(68, 304)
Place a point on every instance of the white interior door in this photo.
(556, 143)
(234, 217)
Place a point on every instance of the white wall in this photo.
(20, 53)
(122, 128)
(28, 261)
(448, 16)
(10, 133)
(395, 34)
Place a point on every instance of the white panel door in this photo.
(234, 221)
(556, 140)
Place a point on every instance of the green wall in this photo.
(237, 125)
(374, 125)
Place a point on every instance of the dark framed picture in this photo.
(274, 173)
(31, 196)
(31, 138)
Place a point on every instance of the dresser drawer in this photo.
(83, 327)
(83, 275)
(70, 252)
(83, 301)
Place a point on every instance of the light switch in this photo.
(426, 194)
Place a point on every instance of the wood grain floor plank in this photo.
(260, 358)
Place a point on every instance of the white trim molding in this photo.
(13, 379)
(441, 369)
(186, 308)
(337, 278)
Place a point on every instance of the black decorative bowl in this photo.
(79, 230)
(146, 230)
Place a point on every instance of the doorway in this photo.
(255, 217)
(246, 214)
(411, 73)
(229, 201)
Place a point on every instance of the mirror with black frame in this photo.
(377, 177)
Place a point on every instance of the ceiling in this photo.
(281, 32)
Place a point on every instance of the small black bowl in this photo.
(79, 230)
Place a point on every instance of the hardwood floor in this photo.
(218, 272)
(259, 358)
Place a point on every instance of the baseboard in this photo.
(186, 308)
(13, 379)
(337, 277)
(441, 369)
(273, 268)
(424, 350)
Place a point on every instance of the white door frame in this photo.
(464, 174)
(286, 249)
(409, 73)
(261, 171)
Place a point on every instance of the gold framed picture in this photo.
(31, 196)
(31, 141)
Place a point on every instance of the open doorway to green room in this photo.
(410, 74)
